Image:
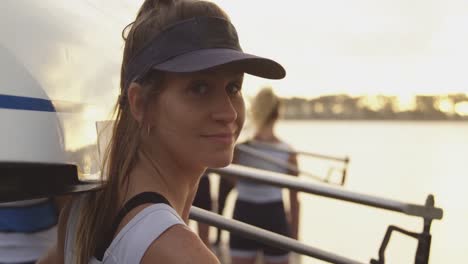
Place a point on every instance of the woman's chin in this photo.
(220, 162)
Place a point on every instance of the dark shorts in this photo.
(269, 216)
(203, 196)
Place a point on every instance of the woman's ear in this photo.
(136, 102)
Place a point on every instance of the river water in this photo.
(404, 161)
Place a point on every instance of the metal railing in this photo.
(264, 236)
(428, 212)
(61, 179)
(291, 167)
(285, 181)
(301, 152)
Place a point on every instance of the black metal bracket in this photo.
(424, 239)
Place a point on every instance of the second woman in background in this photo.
(258, 204)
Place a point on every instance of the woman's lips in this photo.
(226, 138)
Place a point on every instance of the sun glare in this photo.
(373, 102)
(445, 105)
(405, 103)
(462, 108)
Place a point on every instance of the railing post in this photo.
(424, 244)
(424, 238)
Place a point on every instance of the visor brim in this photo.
(209, 58)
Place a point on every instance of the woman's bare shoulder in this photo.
(179, 244)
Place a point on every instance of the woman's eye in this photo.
(199, 88)
(234, 88)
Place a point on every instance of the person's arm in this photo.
(226, 184)
(294, 202)
(55, 255)
(178, 244)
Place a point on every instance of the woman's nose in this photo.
(225, 111)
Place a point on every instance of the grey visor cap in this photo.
(204, 59)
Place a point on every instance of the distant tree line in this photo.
(377, 107)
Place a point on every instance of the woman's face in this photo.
(197, 117)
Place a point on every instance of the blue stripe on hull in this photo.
(28, 219)
(25, 103)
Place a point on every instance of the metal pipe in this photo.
(264, 236)
(305, 153)
(279, 162)
(285, 181)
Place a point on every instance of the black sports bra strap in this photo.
(137, 200)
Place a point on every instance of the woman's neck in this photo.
(176, 185)
(266, 133)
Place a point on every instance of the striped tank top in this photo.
(250, 154)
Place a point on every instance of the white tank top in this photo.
(133, 239)
(261, 193)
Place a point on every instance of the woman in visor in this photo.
(180, 111)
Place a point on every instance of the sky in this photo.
(359, 47)
(394, 47)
